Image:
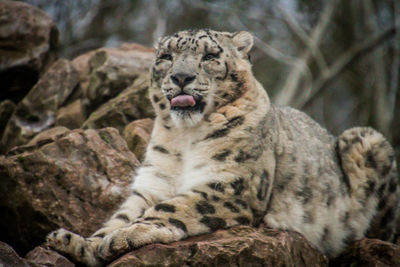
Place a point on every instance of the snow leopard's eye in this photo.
(209, 56)
(165, 57)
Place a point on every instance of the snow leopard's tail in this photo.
(368, 162)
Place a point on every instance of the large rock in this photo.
(75, 182)
(81, 64)
(114, 69)
(132, 104)
(42, 257)
(137, 135)
(112, 89)
(7, 108)
(239, 246)
(47, 136)
(8, 257)
(28, 39)
(111, 70)
(369, 252)
(37, 111)
(39, 257)
(72, 115)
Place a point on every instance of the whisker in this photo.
(217, 97)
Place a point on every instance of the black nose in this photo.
(182, 79)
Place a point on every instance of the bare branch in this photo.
(273, 52)
(161, 21)
(379, 110)
(348, 57)
(288, 93)
(394, 92)
(295, 27)
(394, 81)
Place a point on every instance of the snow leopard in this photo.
(221, 154)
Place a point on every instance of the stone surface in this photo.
(239, 246)
(75, 182)
(48, 135)
(71, 116)
(106, 63)
(42, 257)
(8, 257)
(113, 70)
(137, 136)
(28, 39)
(132, 104)
(369, 252)
(37, 111)
(81, 64)
(7, 107)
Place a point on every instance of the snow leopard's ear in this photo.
(243, 41)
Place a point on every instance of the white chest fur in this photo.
(185, 166)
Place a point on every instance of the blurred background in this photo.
(339, 61)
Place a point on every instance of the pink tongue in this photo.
(183, 101)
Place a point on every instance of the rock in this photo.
(75, 182)
(103, 63)
(369, 252)
(42, 257)
(105, 74)
(28, 40)
(48, 135)
(71, 116)
(8, 257)
(238, 246)
(132, 104)
(81, 64)
(37, 111)
(7, 107)
(137, 47)
(113, 70)
(137, 136)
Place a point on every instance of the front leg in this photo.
(207, 209)
(84, 250)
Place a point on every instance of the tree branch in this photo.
(287, 95)
(161, 21)
(380, 109)
(272, 52)
(347, 58)
(295, 27)
(394, 92)
(394, 81)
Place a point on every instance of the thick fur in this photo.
(236, 159)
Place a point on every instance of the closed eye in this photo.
(209, 56)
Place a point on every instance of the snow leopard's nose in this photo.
(182, 79)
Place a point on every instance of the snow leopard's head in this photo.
(197, 71)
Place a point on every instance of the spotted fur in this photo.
(233, 158)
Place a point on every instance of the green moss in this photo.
(105, 138)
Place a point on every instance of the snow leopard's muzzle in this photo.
(183, 97)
